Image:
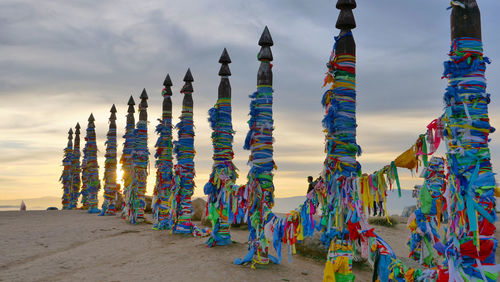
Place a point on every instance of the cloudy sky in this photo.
(62, 60)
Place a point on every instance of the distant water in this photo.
(9, 208)
(31, 204)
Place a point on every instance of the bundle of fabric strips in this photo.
(180, 199)
(164, 172)
(66, 176)
(84, 191)
(92, 169)
(424, 223)
(110, 185)
(135, 200)
(75, 171)
(341, 148)
(470, 250)
(127, 161)
(223, 174)
(260, 187)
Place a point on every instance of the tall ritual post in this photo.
(223, 176)
(184, 169)
(66, 177)
(92, 167)
(471, 247)
(136, 199)
(341, 147)
(259, 141)
(110, 185)
(127, 160)
(75, 170)
(164, 165)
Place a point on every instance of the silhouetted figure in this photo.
(311, 184)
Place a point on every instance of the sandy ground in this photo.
(76, 246)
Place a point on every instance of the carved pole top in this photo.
(265, 41)
(143, 115)
(346, 21)
(91, 121)
(113, 113)
(188, 87)
(265, 56)
(167, 83)
(465, 19)
(350, 4)
(77, 135)
(131, 101)
(224, 57)
(224, 72)
(188, 77)
(70, 137)
(131, 104)
(167, 102)
(224, 60)
(144, 97)
(265, 38)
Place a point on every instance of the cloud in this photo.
(62, 60)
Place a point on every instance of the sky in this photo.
(62, 60)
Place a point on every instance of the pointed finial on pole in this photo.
(91, 121)
(77, 135)
(465, 19)
(131, 111)
(131, 104)
(345, 22)
(167, 102)
(188, 77)
(144, 95)
(113, 113)
(143, 114)
(224, 72)
(224, 60)
(167, 83)
(187, 89)
(265, 38)
(70, 138)
(188, 86)
(265, 56)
